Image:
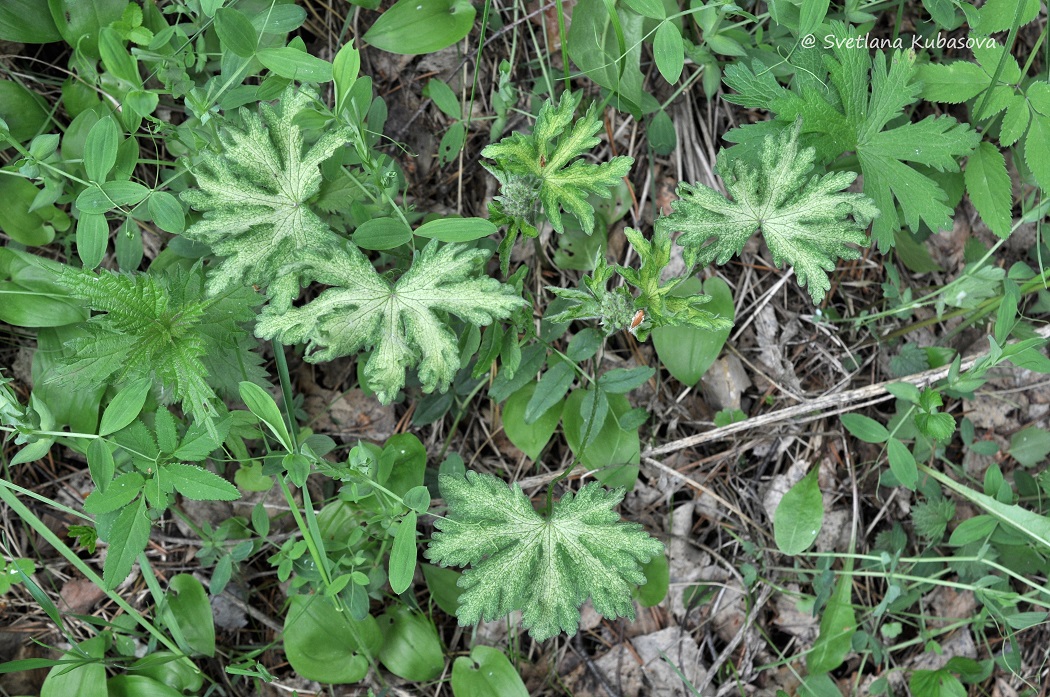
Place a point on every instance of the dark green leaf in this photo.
(529, 438)
(23, 112)
(486, 673)
(552, 388)
(294, 64)
(236, 32)
(411, 646)
(190, 608)
(623, 380)
(837, 627)
(669, 51)
(101, 464)
(328, 646)
(27, 22)
(100, 149)
(260, 403)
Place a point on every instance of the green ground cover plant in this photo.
(389, 397)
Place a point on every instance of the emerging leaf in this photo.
(544, 166)
(255, 197)
(545, 567)
(807, 221)
(404, 323)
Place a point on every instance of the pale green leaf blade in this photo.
(799, 516)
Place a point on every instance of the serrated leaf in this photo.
(952, 83)
(199, 484)
(118, 494)
(1037, 149)
(127, 538)
(545, 567)
(988, 184)
(255, 194)
(550, 157)
(808, 222)
(398, 321)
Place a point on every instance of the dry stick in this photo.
(819, 408)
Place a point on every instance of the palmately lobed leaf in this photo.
(549, 155)
(255, 197)
(806, 221)
(545, 567)
(403, 323)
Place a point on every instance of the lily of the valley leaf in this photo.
(545, 567)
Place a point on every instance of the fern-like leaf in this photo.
(403, 322)
(255, 196)
(162, 326)
(545, 567)
(808, 222)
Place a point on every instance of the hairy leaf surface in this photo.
(807, 221)
(545, 567)
(404, 323)
(255, 196)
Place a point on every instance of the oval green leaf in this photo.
(411, 647)
(412, 27)
(380, 234)
(669, 51)
(294, 64)
(456, 229)
(236, 32)
(125, 406)
(326, 645)
(189, 607)
(100, 148)
(688, 352)
(529, 438)
(486, 673)
(799, 515)
(167, 212)
(403, 556)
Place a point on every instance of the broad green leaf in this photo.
(806, 221)
(935, 683)
(119, 493)
(79, 21)
(236, 32)
(456, 229)
(328, 646)
(1001, 15)
(127, 538)
(867, 429)
(661, 134)
(657, 579)
(398, 321)
(402, 464)
(112, 194)
(27, 22)
(403, 556)
(86, 680)
(100, 149)
(551, 389)
(837, 627)
(101, 465)
(413, 27)
(125, 406)
(486, 673)
(139, 686)
(260, 403)
(623, 380)
(345, 68)
(22, 111)
(444, 98)
(1030, 446)
(811, 15)
(199, 484)
(175, 671)
(688, 352)
(116, 58)
(799, 515)
(442, 584)
(293, 64)
(902, 463)
(977, 528)
(529, 438)
(545, 567)
(189, 607)
(167, 212)
(382, 234)
(988, 184)
(29, 227)
(411, 647)
(669, 51)
(614, 451)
